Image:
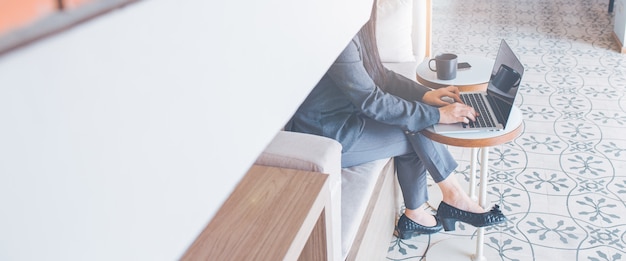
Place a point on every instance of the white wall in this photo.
(120, 138)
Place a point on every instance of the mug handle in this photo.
(430, 65)
(519, 79)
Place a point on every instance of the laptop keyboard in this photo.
(475, 100)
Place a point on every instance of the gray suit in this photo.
(374, 122)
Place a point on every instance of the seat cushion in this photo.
(357, 185)
(406, 69)
(394, 28)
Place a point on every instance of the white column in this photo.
(472, 187)
(484, 178)
(620, 23)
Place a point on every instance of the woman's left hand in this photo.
(435, 97)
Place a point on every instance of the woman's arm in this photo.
(351, 77)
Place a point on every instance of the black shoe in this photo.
(407, 228)
(449, 215)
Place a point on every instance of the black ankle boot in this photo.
(449, 215)
(407, 228)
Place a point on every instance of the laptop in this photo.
(495, 104)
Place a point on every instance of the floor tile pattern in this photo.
(562, 183)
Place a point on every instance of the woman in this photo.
(375, 113)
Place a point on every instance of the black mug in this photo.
(445, 66)
(506, 78)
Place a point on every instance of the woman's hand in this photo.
(456, 112)
(435, 97)
(450, 112)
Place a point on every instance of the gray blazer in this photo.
(346, 94)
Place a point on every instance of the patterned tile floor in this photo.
(562, 183)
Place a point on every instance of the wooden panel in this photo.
(315, 248)
(20, 13)
(269, 216)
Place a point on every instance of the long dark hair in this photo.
(371, 58)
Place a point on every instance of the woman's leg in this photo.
(456, 204)
(429, 156)
(413, 183)
(455, 195)
(414, 155)
(377, 141)
(384, 141)
(440, 164)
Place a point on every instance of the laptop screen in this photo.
(505, 79)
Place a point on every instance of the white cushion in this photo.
(357, 186)
(394, 26)
(303, 151)
(406, 69)
(421, 29)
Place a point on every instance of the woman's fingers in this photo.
(457, 112)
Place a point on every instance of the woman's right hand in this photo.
(456, 112)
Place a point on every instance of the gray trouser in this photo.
(414, 155)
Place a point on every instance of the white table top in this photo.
(479, 72)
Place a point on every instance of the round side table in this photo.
(460, 248)
(470, 79)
